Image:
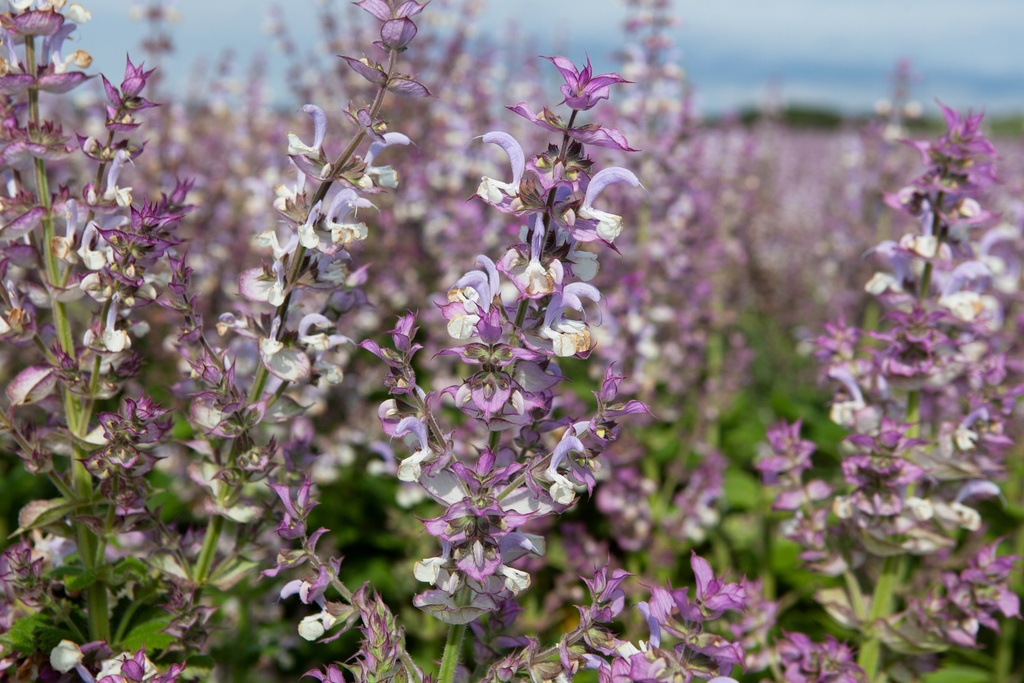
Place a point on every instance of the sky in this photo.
(837, 53)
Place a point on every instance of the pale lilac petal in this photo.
(389, 139)
(966, 272)
(413, 425)
(703, 573)
(319, 124)
(32, 384)
(512, 149)
(606, 177)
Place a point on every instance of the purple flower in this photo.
(583, 89)
(609, 599)
(983, 588)
(135, 78)
(330, 674)
(809, 662)
(715, 595)
(294, 523)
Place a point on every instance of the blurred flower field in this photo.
(480, 366)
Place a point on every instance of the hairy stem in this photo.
(452, 649)
(88, 542)
(298, 264)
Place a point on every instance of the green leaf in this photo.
(49, 636)
(231, 572)
(80, 580)
(959, 674)
(23, 635)
(128, 569)
(148, 634)
(41, 513)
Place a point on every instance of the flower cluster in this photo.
(513, 332)
(926, 397)
(170, 472)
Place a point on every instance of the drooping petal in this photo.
(514, 151)
(378, 146)
(296, 146)
(415, 426)
(964, 273)
(606, 177)
(572, 292)
(493, 281)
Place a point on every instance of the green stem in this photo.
(98, 611)
(452, 648)
(50, 265)
(926, 280)
(913, 417)
(88, 543)
(550, 204)
(881, 607)
(215, 526)
(209, 549)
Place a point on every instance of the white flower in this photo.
(66, 656)
(297, 147)
(410, 468)
(428, 570)
(584, 264)
(842, 507)
(113, 339)
(386, 175)
(341, 232)
(881, 283)
(315, 625)
(307, 233)
(920, 509)
(77, 13)
(495, 191)
(609, 225)
(925, 246)
(474, 291)
(964, 438)
(94, 259)
(516, 580)
(121, 195)
(568, 337)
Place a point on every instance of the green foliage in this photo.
(34, 632)
(959, 674)
(146, 631)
